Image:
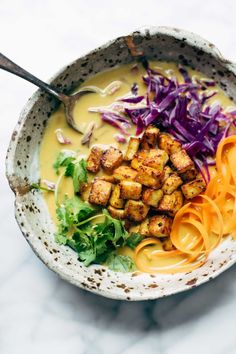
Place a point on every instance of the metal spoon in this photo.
(68, 101)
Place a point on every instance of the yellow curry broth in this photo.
(103, 133)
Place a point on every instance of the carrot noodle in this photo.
(200, 225)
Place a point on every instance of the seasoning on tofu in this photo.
(149, 177)
(94, 159)
(157, 159)
(132, 148)
(171, 183)
(111, 159)
(138, 159)
(144, 229)
(100, 192)
(124, 173)
(152, 197)
(181, 161)
(168, 144)
(193, 188)
(136, 210)
(115, 200)
(150, 136)
(130, 190)
(171, 203)
(160, 226)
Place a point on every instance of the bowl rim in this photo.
(193, 40)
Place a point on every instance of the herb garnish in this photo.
(94, 243)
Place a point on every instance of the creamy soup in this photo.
(103, 133)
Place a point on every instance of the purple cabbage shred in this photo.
(181, 109)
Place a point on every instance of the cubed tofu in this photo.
(100, 192)
(152, 197)
(189, 175)
(116, 213)
(144, 230)
(179, 201)
(124, 173)
(181, 161)
(108, 178)
(111, 159)
(193, 188)
(138, 159)
(171, 183)
(167, 244)
(156, 159)
(171, 203)
(167, 172)
(115, 200)
(168, 143)
(160, 226)
(130, 190)
(94, 159)
(150, 136)
(149, 177)
(136, 210)
(132, 148)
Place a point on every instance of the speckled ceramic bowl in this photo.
(159, 43)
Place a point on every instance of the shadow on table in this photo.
(165, 313)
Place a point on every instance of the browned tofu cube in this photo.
(100, 192)
(179, 201)
(150, 135)
(144, 230)
(111, 159)
(160, 226)
(130, 190)
(167, 244)
(189, 175)
(167, 172)
(171, 183)
(108, 178)
(193, 188)
(132, 148)
(171, 203)
(116, 213)
(181, 161)
(168, 143)
(115, 200)
(156, 159)
(138, 159)
(136, 210)
(124, 173)
(167, 204)
(152, 197)
(149, 177)
(94, 159)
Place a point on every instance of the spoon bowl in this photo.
(68, 101)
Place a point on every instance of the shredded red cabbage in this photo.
(117, 121)
(136, 99)
(182, 109)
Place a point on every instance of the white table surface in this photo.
(39, 313)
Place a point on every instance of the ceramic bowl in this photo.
(158, 43)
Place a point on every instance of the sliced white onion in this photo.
(61, 138)
(88, 133)
(50, 185)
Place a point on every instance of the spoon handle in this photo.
(8, 65)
